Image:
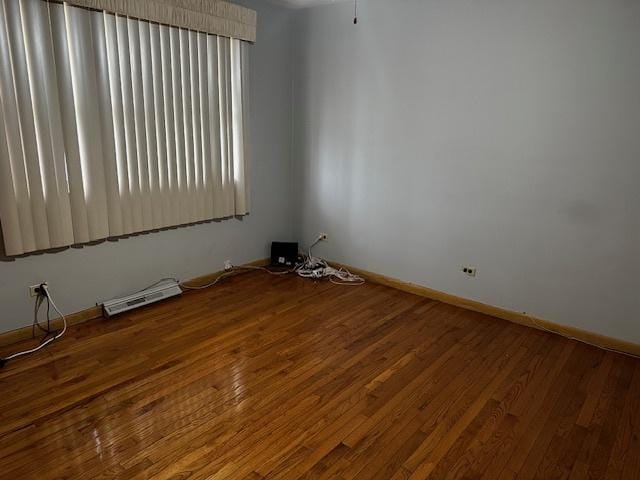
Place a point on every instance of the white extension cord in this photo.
(317, 268)
(47, 294)
(314, 267)
(311, 267)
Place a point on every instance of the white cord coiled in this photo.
(47, 294)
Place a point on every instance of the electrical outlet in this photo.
(469, 271)
(34, 290)
(228, 265)
(323, 237)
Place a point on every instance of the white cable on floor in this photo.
(202, 287)
(318, 268)
(311, 267)
(233, 270)
(264, 269)
(47, 294)
(314, 267)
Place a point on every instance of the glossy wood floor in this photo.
(266, 377)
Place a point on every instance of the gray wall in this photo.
(81, 276)
(499, 134)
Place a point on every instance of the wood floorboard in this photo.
(276, 378)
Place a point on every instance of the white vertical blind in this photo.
(111, 125)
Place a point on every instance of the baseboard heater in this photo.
(139, 299)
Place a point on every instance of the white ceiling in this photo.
(305, 3)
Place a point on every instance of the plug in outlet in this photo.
(34, 290)
(228, 266)
(323, 237)
(469, 271)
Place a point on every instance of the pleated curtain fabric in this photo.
(111, 125)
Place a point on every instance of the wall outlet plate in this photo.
(469, 271)
(34, 290)
(323, 237)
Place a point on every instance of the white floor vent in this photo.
(145, 297)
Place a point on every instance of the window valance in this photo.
(208, 16)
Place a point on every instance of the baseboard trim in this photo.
(210, 277)
(93, 313)
(595, 339)
(25, 333)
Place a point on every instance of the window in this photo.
(111, 125)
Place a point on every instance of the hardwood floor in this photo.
(268, 377)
